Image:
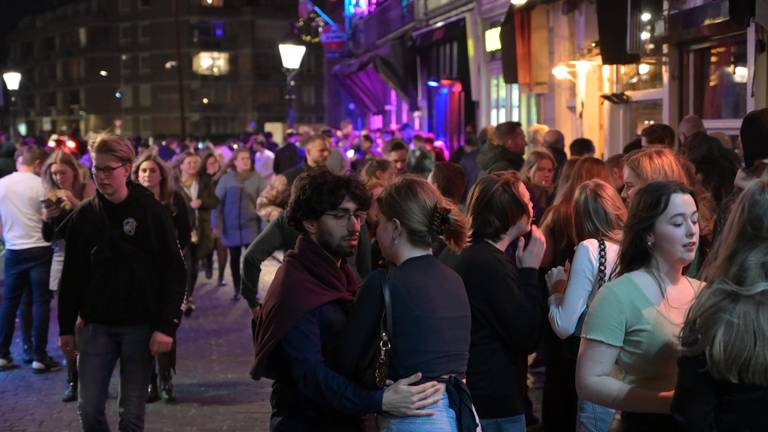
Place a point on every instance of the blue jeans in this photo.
(593, 417)
(444, 420)
(506, 424)
(100, 347)
(26, 270)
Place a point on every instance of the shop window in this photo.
(715, 79)
(643, 114)
(505, 101)
(645, 75)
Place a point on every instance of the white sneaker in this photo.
(6, 363)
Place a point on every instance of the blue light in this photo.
(219, 32)
(433, 83)
(444, 90)
(119, 94)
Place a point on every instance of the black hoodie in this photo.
(122, 265)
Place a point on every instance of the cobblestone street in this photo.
(214, 390)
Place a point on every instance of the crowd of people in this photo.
(417, 284)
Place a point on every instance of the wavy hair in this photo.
(728, 322)
(166, 177)
(64, 158)
(495, 205)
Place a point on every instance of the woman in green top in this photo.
(630, 343)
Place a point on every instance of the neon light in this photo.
(433, 83)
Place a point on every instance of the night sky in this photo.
(11, 11)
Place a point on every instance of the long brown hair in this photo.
(495, 205)
(648, 204)
(598, 212)
(416, 204)
(64, 158)
(728, 322)
(166, 178)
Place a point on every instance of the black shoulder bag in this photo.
(376, 365)
(573, 341)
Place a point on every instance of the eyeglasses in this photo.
(106, 170)
(345, 216)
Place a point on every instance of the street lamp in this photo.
(12, 80)
(291, 55)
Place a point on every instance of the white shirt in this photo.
(21, 211)
(263, 163)
(565, 309)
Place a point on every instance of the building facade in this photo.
(135, 65)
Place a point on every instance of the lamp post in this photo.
(12, 80)
(291, 55)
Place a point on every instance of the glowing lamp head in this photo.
(433, 83)
(291, 55)
(518, 2)
(643, 68)
(561, 72)
(12, 80)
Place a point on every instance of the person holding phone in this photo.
(67, 186)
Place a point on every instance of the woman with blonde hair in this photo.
(630, 338)
(430, 312)
(539, 168)
(66, 185)
(151, 172)
(722, 381)
(598, 219)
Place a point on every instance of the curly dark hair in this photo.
(318, 191)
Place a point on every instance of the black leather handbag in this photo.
(376, 363)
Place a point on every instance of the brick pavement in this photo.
(213, 388)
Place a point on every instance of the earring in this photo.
(650, 244)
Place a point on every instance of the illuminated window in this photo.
(211, 63)
(492, 39)
(212, 3)
(82, 34)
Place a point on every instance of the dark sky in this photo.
(11, 11)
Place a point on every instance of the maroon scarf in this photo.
(308, 278)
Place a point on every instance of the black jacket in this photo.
(122, 265)
(495, 158)
(508, 315)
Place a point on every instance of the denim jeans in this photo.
(100, 347)
(26, 270)
(593, 417)
(444, 420)
(507, 424)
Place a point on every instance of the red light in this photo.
(456, 87)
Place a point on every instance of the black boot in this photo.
(70, 392)
(152, 394)
(166, 386)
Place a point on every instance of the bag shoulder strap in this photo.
(387, 318)
(601, 265)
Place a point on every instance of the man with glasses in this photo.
(124, 278)
(306, 305)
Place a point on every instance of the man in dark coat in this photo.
(305, 308)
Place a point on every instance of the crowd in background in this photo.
(639, 281)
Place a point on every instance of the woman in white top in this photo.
(598, 215)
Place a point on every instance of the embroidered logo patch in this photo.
(129, 226)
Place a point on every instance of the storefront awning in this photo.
(366, 78)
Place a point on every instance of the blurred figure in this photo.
(274, 198)
(554, 141)
(690, 127)
(378, 171)
(211, 169)
(722, 377)
(536, 134)
(582, 147)
(396, 151)
(263, 158)
(468, 161)
(7, 151)
(289, 155)
(658, 134)
(615, 166)
(506, 150)
(236, 217)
